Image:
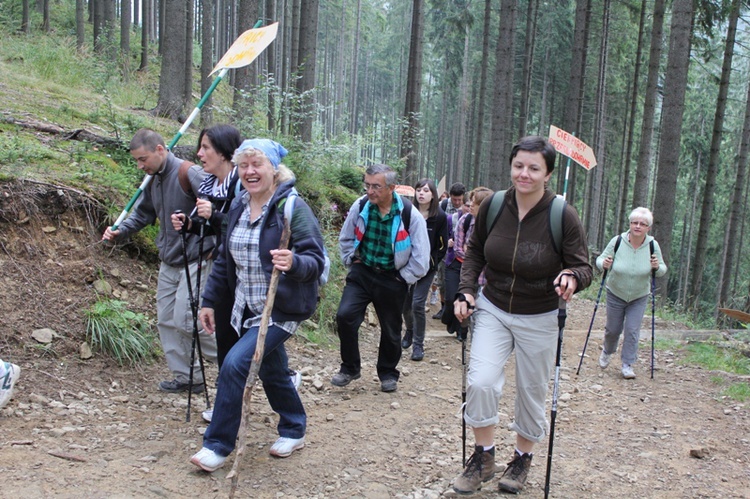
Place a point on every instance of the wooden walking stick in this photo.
(252, 375)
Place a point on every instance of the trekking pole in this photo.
(196, 337)
(194, 312)
(561, 315)
(591, 325)
(653, 317)
(242, 52)
(260, 345)
(463, 395)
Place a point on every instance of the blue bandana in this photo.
(272, 149)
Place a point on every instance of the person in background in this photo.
(172, 189)
(244, 266)
(628, 287)
(384, 255)
(453, 207)
(437, 230)
(9, 374)
(516, 310)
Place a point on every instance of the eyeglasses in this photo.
(374, 187)
(639, 224)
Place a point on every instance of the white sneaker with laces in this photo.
(627, 371)
(9, 374)
(208, 415)
(283, 447)
(296, 379)
(604, 359)
(208, 460)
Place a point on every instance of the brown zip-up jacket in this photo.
(520, 257)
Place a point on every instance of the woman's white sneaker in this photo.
(627, 371)
(208, 460)
(604, 359)
(283, 447)
(208, 414)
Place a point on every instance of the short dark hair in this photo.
(433, 208)
(145, 137)
(536, 143)
(224, 139)
(457, 189)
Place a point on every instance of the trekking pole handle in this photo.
(462, 297)
(184, 220)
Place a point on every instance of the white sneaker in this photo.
(296, 379)
(208, 415)
(604, 359)
(283, 447)
(7, 382)
(434, 297)
(627, 371)
(208, 460)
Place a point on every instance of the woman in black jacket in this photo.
(426, 201)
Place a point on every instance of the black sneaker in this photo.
(439, 313)
(175, 386)
(515, 474)
(389, 385)
(479, 468)
(343, 379)
(417, 353)
(406, 341)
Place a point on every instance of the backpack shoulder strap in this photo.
(406, 213)
(556, 220)
(617, 246)
(467, 222)
(496, 207)
(182, 176)
(287, 204)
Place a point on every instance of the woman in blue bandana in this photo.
(242, 272)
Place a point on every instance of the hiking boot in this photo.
(627, 371)
(406, 341)
(479, 468)
(283, 447)
(604, 359)
(439, 313)
(389, 385)
(417, 353)
(515, 474)
(175, 386)
(208, 460)
(7, 381)
(343, 379)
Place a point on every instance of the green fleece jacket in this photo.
(630, 275)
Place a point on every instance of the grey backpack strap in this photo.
(556, 216)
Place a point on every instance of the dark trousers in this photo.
(452, 280)
(387, 293)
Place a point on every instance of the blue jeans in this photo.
(387, 294)
(414, 314)
(221, 434)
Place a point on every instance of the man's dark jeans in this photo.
(387, 292)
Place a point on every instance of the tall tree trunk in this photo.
(620, 214)
(528, 54)
(45, 16)
(308, 43)
(80, 23)
(172, 90)
(643, 166)
(25, 16)
(574, 102)
(502, 102)
(482, 91)
(145, 32)
(410, 131)
(207, 62)
(675, 85)
(188, 69)
(353, 129)
(271, 73)
(247, 15)
(98, 10)
(736, 210)
(593, 227)
(109, 23)
(463, 112)
(713, 160)
(125, 15)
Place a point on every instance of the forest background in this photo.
(436, 88)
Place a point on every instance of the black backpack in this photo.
(405, 214)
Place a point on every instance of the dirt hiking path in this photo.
(88, 428)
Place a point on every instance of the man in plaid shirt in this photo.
(384, 257)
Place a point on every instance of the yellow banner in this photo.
(247, 47)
